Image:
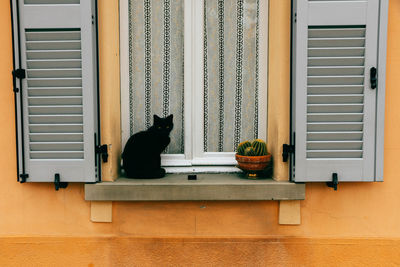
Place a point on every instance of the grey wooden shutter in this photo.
(55, 43)
(335, 110)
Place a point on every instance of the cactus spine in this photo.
(260, 147)
(242, 147)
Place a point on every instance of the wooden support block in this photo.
(101, 211)
(289, 212)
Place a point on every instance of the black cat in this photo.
(141, 156)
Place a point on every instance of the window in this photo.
(203, 61)
(338, 89)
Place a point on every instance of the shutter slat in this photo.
(55, 91)
(53, 2)
(335, 89)
(338, 117)
(53, 35)
(54, 64)
(335, 99)
(316, 52)
(336, 42)
(334, 145)
(334, 126)
(51, 73)
(335, 70)
(334, 154)
(327, 108)
(56, 146)
(53, 54)
(56, 137)
(54, 155)
(54, 100)
(57, 82)
(54, 45)
(335, 80)
(332, 32)
(336, 61)
(334, 136)
(56, 128)
(53, 110)
(55, 118)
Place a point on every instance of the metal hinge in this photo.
(18, 74)
(287, 149)
(103, 151)
(23, 177)
(57, 182)
(335, 181)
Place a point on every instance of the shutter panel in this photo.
(335, 108)
(56, 106)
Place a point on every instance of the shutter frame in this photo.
(80, 166)
(374, 150)
(381, 88)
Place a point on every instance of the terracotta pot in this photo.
(256, 163)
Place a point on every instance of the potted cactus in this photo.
(252, 157)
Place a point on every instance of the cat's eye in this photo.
(159, 127)
(167, 127)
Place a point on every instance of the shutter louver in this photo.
(58, 98)
(334, 114)
(53, 64)
(335, 119)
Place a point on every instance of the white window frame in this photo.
(195, 159)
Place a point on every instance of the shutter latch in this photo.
(335, 181)
(18, 74)
(103, 151)
(287, 149)
(373, 77)
(57, 183)
(23, 177)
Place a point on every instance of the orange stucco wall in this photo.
(359, 222)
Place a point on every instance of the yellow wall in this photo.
(110, 84)
(359, 222)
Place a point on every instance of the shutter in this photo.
(55, 43)
(335, 108)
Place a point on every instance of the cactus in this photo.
(242, 147)
(260, 147)
(250, 152)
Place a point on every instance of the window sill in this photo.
(177, 187)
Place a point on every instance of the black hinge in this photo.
(23, 177)
(103, 150)
(57, 183)
(335, 181)
(18, 74)
(287, 149)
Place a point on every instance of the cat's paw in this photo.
(162, 172)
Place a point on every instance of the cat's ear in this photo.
(170, 117)
(156, 119)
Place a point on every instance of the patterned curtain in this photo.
(156, 67)
(231, 35)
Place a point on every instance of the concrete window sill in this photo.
(177, 187)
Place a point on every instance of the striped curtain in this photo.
(156, 66)
(231, 35)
